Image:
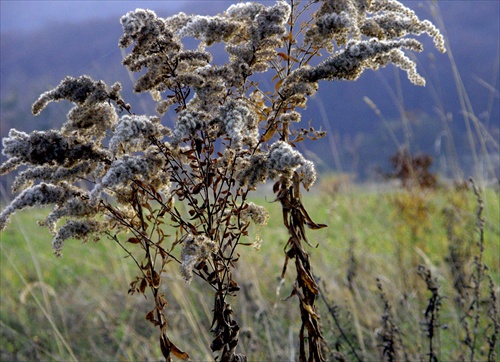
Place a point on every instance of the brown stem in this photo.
(305, 287)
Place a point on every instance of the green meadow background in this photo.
(77, 307)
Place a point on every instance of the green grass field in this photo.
(77, 307)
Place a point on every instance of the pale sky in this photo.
(28, 15)
(19, 15)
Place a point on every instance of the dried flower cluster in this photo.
(229, 136)
(195, 250)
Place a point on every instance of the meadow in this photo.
(397, 269)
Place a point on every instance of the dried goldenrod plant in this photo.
(179, 194)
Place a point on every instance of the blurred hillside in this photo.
(430, 119)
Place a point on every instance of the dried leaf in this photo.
(309, 310)
(155, 280)
(294, 292)
(217, 344)
(278, 85)
(168, 347)
(233, 286)
(151, 317)
(143, 285)
(283, 272)
(306, 278)
(148, 207)
(276, 186)
(212, 277)
(133, 241)
(269, 133)
(162, 302)
(283, 56)
(312, 225)
(132, 287)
